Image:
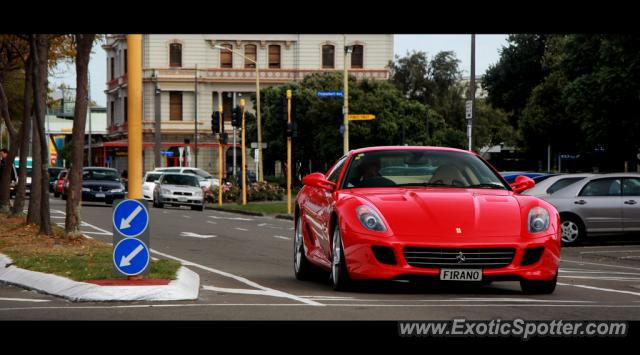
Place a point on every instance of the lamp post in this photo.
(259, 118)
(345, 107)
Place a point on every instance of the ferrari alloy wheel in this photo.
(339, 275)
(301, 266)
(572, 230)
(539, 287)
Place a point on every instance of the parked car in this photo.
(462, 222)
(149, 184)
(60, 179)
(206, 181)
(29, 166)
(98, 185)
(598, 204)
(554, 183)
(53, 177)
(178, 189)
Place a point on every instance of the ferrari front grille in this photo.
(485, 258)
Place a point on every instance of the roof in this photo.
(405, 147)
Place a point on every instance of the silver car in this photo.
(178, 190)
(554, 183)
(598, 204)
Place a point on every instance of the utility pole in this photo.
(89, 106)
(345, 107)
(235, 169)
(195, 102)
(472, 91)
(244, 159)
(288, 152)
(221, 132)
(134, 95)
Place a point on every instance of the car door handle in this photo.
(630, 202)
(580, 202)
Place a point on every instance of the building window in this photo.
(274, 56)
(328, 56)
(112, 67)
(226, 56)
(250, 51)
(125, 61)
(175, 105)
(357, 57)
(175, 55)
(126, 108)
(112, 110)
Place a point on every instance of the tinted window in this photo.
(602, 187)
(100, 174)
(152, 177)
(409, 167)
(631, 186)
(334, 174)
(185, 180)
(562, 183)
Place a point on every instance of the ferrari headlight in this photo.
(370, 219)
(538, 220)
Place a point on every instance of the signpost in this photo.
(361, 117)
(131, 238)
(329, 94)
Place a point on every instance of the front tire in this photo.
(539, 287)
(302, 268)
(339, 274)
(573, 231)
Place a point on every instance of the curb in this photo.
(185, 287)
(284, 216)
(248, 213)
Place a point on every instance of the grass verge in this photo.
(271, 207)
(81, 259)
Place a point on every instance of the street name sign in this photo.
(362, 117)
(469, 109)
(131, 251)
(329, 94)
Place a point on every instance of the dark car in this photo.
(53, 177)
(510, 176)
(99, 185)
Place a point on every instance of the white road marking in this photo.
(241, 279)
(609, 251)
(212, 222)
(23, 299)
(97, 233)
(597, 272)
(262, 224)
(185, 216)
(242, 229)
(605, 278)
(601, 289)
(606, 265)
(232, 218)
(196, 235)
(281, 237)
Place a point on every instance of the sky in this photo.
(487, 53)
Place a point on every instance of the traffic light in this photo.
(224, 138)
(215, 122)
(236, 117)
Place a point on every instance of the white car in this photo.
(205, 179)
(178, 190)
(149, 184)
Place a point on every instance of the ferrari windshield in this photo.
(411, 167)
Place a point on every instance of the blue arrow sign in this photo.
(131, 256)
(130, 218)
(329, 93)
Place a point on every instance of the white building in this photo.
(171, 64)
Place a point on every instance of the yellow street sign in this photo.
(362, 117)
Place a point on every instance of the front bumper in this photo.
(362, 263)
(101, 196)
(181, 200)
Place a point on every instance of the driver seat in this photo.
(448, 175)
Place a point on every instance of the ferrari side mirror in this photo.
(522, 183)
(318, 180)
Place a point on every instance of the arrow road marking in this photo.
(126, 260)
(126, 222)
(195, 235)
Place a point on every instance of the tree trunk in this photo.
(34, 210)
(84, 43)
(5, 177)
(40, 52)
(18, 202)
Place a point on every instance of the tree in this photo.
(83, 44)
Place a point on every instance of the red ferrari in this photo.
(407, 213)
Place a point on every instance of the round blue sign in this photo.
(131, 256)
(130, 218)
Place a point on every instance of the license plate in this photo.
(461, 274)
(182, 199)
(100, 195)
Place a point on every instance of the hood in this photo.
(438, 212)
(181, 188)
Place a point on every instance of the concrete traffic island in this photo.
(185, 287)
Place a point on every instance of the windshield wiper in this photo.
(487, 186)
